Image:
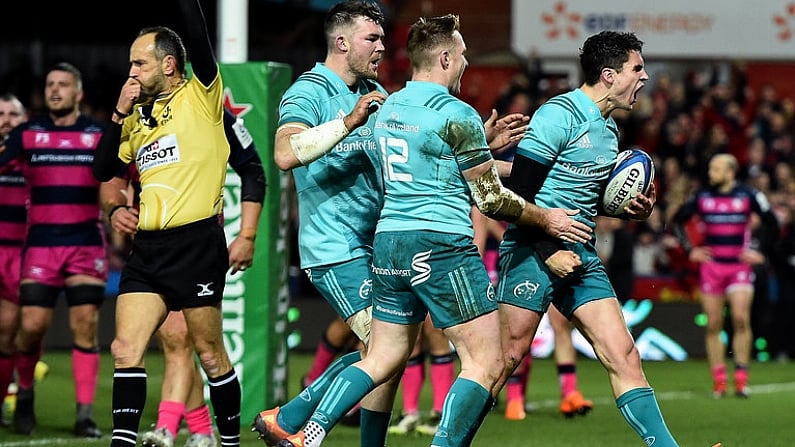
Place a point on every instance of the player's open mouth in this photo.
(635, 95)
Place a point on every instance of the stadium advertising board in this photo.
(670, 29)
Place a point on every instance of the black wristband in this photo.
(114, 209)
(121, 115)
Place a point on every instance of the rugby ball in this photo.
(632, 174)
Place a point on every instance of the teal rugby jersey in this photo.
(427, 137)
(569, 134)
(339, 194)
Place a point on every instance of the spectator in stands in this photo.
(782, 342)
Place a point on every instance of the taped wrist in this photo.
(360, 323)
(495, 200)
(311, 144)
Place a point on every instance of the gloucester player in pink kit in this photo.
(13, 197)
(725, 259)
(64, 249)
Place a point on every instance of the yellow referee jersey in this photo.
(181, 152)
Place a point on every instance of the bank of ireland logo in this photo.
(419, 263)
(525, 289)
(784, 22)
(560, 22)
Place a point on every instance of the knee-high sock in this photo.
(294, 414)
(26, 366)
(514, 388)
(462, 414)
(740, 375)
(525, 369)
(412, 381)
(129, 397)
(324, 355)
(641, 411)
(225, 395)
(719, 374)
(348, 388)
(490, 402)
(7, 362)
(516, 385)
(567, 378)
(85, 370)
(199, 421)
(374, 429)
(169, 415)
(442, 377)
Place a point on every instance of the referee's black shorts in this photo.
(187, 264)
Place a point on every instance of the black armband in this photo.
(252, 180)
(106, 155)
(547, 247)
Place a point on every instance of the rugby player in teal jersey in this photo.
(325, 138)
(436, 164)
(563, 161)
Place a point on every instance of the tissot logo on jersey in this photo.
(161, 152)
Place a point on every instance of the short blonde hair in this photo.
(429, 34)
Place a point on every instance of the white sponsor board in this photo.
(763, 30)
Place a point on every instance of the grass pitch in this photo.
(683, 389)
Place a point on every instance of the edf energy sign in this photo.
(670, 29)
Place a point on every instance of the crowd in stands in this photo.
(681, 120)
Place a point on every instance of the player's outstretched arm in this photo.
(498, 202)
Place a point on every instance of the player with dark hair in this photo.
(182, 389)
(172, 127)
(13, 217)
(563, 160)
(325, 138)
(64, 247)
(437, 162)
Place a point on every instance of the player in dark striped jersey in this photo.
(65, 244)
(725, 261)
(13, 198)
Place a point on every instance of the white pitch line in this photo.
(667, 395)
(533, 405)
(48, 441)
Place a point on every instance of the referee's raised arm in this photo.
(197, 39)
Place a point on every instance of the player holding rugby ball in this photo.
(563, 161)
